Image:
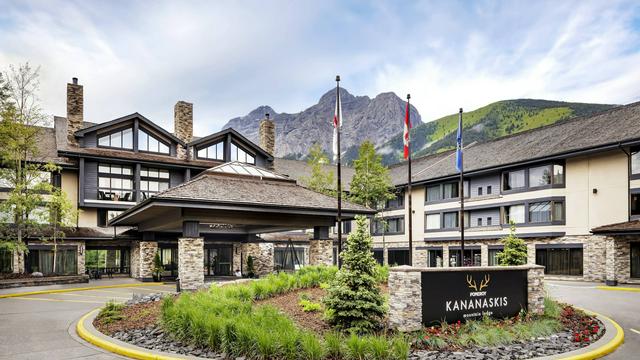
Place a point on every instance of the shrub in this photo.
(111, 312)
(250, 270)
(400, 347)
(311, 347)
(515, 249)
(382, 274)
(356, 348)
(333, 344)
(309, 306)
(353, 297)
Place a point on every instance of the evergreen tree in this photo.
(353, 299)
(515, 249)
(371, 183)
(321, 180)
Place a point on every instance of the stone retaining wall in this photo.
(405, 292)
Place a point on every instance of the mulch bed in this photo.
(137, 316)
(288, 303)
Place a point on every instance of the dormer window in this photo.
(213, 152)
(148, 142)
(122, 139)
(239, 154)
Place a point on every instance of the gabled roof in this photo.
(151, 124)
(627, 227)
(298, 169)
(221, 134)
(607, 130)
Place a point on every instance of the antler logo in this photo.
(474, 285)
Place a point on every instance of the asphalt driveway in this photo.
(622, 306)
(41, 326)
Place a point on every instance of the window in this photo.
(104, 216)
(239, 154)
(115, 182)
(513, 180)
(479, 190)
(433, 193)
(6, 261)
(397, 257)
(514, 213)
(493, 256)
(489, 221)
(558, 174)
(378, 254)
(42, 261)
(434, 258)
(148, 142)
(471, 256)
(395, 203)
(489, 190)
(433, 221)
(539, 176)
(450, 191)
(635, 204)
(560, 261)
(450, 220)
(153, 181)
(215, 151)
(635, 162)
(479, 221)
(284, 258)
(546, 211)
(122, 139)
(394, 225)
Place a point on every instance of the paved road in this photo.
(41, 326)
(621, 306)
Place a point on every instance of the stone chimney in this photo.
(268, 134)
(75, 110)
(183, 124)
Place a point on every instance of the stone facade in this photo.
(134, 259)
(148, 250)
(190, 260)
(405, 293)
(262, 254)
(183, 124)
(321, 252)
(267, 134)
(18, 262)
(405, 299)
(535, 288)
(75, 110)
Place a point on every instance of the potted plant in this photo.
(157, 268)
(250, 270)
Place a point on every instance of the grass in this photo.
(491, 332)
(111, 312)
(225, 320)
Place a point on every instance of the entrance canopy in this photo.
(236, 198)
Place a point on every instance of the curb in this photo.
(93, 336)
(54, 291)
(86, 331)
(615, 288)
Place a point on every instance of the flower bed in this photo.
(281, 317)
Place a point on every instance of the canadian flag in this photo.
(407, 127)
(337, 123)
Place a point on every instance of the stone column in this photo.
(321, 252)
(445, 256)
(419, 257)
(190, 263)
(134, 259)
(18, 262)
(611, 277)
(148, 250)
(81, 253)
(262, 254)
(535, 284)
(484, 255)
(531, 253)
(405, 303)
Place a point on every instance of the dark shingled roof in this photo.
(298, 169)
(617, 125)
(136, 156)
(623, 227)
(47, 147)
(242, 189)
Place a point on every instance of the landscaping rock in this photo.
(143, 298)
(37, 274)
(154, 338)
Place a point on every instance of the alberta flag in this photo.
(459, 144)
(337, 123)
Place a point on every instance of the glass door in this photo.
(635, 260)
(169, 258)
(218, 260)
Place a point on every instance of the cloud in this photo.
(229, 57)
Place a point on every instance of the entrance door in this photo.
(635, 260)
(169, 258)
(218, 260)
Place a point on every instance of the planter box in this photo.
(39, 281)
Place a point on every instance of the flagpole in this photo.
(339, 185)
(461, 189)
(409, 185)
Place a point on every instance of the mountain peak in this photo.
(330, 96)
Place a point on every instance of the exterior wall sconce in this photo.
(595, 191)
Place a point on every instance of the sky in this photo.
(229, 57)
